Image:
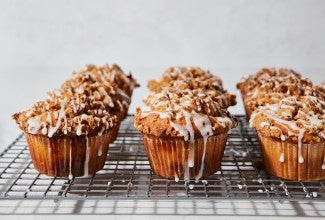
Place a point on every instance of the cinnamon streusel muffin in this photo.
(292, 137)
(270, 85)
(184, 130)
(68, 134)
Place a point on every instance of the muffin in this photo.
(270, 85)
(68, 134)
(292, 136)
(184, 129)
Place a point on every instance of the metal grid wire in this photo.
(127, 175)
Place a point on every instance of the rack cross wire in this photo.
(127, 175)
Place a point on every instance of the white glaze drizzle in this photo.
(79, 128)
(181, 129)
(204, 126)
(44, 129)
(264, 124)
(176, 178)
(61, 116)
(191, 153)
(281, 159)
(300, 137)
(86, 167)
(224, 122)
(323, 165)
(100, 133)
(34, 124)
(162, 115)
(70, 163)
(190, 130)
(100, 150)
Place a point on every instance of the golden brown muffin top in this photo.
(183, 113)
(193, 78)
(293, 118)
(89, 102)
(272, 80)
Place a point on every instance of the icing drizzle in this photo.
(86, 166)
(203, 124)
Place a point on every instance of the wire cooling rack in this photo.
(127, 175)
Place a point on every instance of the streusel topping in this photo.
(192, 78)
(294, 118)
(282, 80)
(89, 102)
(113, 74)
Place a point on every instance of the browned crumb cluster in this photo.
(89, 102)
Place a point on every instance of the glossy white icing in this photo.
(176, 178)
(300, 137)
(281, 159)
(264, 124)
(283, 137)
(203, 124)
(70, 163)
(34, 124)
(86, 166)
(79, 128)
(61, 116)
(100, 150)
(100, 133)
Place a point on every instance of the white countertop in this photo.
(231, 209)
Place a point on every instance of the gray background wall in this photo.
(42, 42)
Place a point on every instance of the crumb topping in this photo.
(270, 86)
(114, 74)
(292, 118)
(186, 77)
(192, 78)
(281, 80)
(89, 102)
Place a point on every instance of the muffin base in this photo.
(281, 159)
(170, 158)
(71, 156)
